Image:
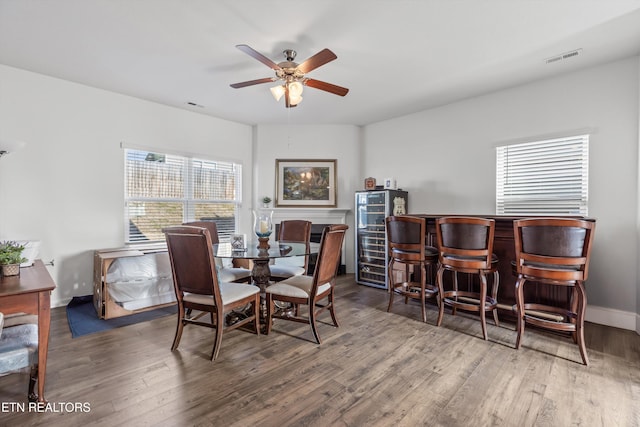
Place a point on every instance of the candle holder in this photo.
(263, 227)
(263, 243)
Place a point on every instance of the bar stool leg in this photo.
(406, 278)
(392, 287)
(439, 275)
(520, 308)
(431, 281)
(582, 303)
(482, 305)
(423, 294)
(455, 288)
(494, 295)
(574, 304)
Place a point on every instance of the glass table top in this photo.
(279, 249)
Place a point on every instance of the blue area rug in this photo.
(83, 319)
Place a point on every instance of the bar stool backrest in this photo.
(553, 248)
(406, 237)
(465, 242)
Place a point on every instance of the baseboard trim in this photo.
(611, 317)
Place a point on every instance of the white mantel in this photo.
(318, 216)
(315, 215)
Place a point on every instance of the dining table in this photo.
(262, 256)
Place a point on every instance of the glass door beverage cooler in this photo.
(372, 207)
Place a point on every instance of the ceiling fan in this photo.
(292, 75)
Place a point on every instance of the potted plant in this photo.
(11, 257)
(265, 201)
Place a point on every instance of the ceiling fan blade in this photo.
(328, 87)
(257, 55)
(320, 58)
(253, 82)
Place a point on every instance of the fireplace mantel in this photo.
(315, 215)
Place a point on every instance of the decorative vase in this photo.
(11, 269)
(263, 227)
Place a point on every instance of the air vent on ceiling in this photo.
(193, 104)
(563, 56)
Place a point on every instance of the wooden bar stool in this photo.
(406, 245)
(465, 245)
(555, 251)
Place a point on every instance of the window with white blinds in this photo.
(166, 189)
(543, 177)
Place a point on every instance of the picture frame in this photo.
(370, 183)
(390, 184)
(238, 242)
(306, 183)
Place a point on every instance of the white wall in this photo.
(65, 187)
(445, 158)
(340, 142)
(638, 213)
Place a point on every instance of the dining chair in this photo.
(554, 251)
(465, 245)
(310, 290)
(226, 273)
(293, 230)
(406, 237)
(19, 351)
(197, 287)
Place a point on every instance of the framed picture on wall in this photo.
(306, 183)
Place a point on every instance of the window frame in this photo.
(545, 177)
(188, 200)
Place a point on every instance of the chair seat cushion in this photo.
(430, 252)
(18, 347)
(230, 292)
(297, 287)
(231, 274)
(494, 258)
(285, 270)
(548, 267)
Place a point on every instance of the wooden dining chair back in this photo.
(18, 351)
(226, 273)
(209, 225)
(406, 236)
(555, 251)
(310, 290)
(293, 230)
(197, 287)
(465, 245)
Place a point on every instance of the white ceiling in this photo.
(395, 56)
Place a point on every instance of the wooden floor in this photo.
(376, 369)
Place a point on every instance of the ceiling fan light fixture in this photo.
(295, 100)
(295, 93)
(295, 89)
(277, 92)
